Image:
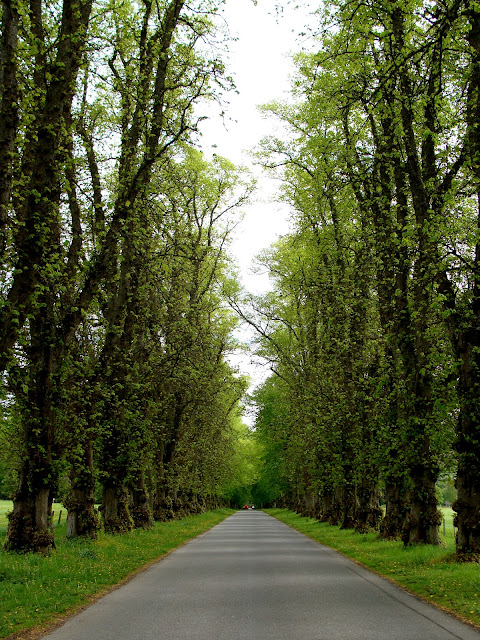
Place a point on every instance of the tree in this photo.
(465, 326)
(31, 176)
(64, 236)
(359, 129)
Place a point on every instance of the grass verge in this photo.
(37, 591)
(427, 571)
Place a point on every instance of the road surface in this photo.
(253, 578)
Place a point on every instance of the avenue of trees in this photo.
(372, 329)
(116, 290)
(113, 238)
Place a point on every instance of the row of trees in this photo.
(373, 326)
(113, 236)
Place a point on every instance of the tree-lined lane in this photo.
(253, 578)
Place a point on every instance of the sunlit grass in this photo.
(34, 589)
(425, 570)
(5, 507)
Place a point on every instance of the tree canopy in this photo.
(114, 236)
(372, 326)
(119, 300)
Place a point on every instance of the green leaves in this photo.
(369, 287)
(115, 331)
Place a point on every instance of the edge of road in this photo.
(381, 581)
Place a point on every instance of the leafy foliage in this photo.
(114, 233)
(372, 325)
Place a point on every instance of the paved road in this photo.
(253, 578)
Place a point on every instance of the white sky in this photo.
(260, 64)
(259, 61)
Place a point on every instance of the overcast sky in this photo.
(260, 62)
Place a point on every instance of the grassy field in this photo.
(429, 572)
(6, 507)
(35, 591)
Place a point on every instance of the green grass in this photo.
(446, 529)
(5, 507)
(35, 591)
(429, 572)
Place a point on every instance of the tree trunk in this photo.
(334, 514)
(467, 504)
(424, 519)
(164, 510)
(140, 510)
(396, 497)
(115, 512)
(325, 505)
(348, 508)
(347, 492)
(368, 513)
(33, 292)
(159, 498)
(8, 112)
(30, 526)
(467, 444)
(82, 518)
(309, 505)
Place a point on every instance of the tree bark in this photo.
(8, 112)
(82, 516)
(30, 526)
(115, 512)
(424, 518)
(368, 514)
(396, 510)
(467, 445)
(32, 501)
(140, 510)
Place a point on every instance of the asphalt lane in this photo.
(253, 578)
